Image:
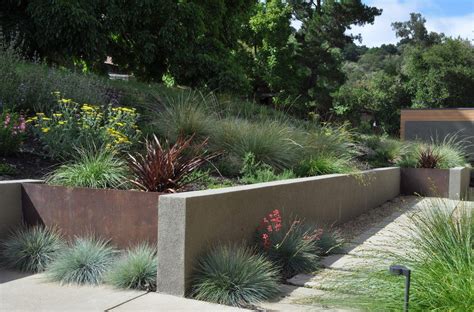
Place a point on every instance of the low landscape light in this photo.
(402, 270)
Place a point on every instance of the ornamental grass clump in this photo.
(256, 172)
(449, 153)
(292, 247)
(85, 262)
(92, 168)
(321, 164)
(437, 245)
(269, 141)
(31, 249)
(236, 276)
(165, 168)
(136, 270)
(184, 115)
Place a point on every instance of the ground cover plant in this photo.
(31, 249)
(136, 270)
(85, 262)
(235, 275)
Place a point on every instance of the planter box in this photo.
(125, 217)
(449, 183)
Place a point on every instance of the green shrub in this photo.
(323, 164)
(386, 151)
(75, 126)
(85, 262)
(234, 276)
(9, 79)
(184, 115)
(31, 249)
(255, 172)
(292, 246)
(137, 270)
(269, 141)
(7, 169)
(93, 168)
(38, 82)
(12, 132)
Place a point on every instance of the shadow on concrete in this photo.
(9, 275)
(371, 226)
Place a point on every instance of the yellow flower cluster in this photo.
(116, 126)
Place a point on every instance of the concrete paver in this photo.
(369, 248)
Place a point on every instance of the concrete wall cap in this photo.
(21, 181)
(248, 187)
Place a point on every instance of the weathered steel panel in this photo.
(125, 217)
(425, 182)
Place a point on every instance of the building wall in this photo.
(425, 124)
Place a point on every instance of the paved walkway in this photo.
(23, 292)
(365, 249)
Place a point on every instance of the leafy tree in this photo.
(270, 50)
(441, 75)
(61, 32)
(321, 38)
(415, 32)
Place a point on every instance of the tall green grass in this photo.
(185, 114)
(269, 141)
(438, 246)
(449, 152)
(94, 168)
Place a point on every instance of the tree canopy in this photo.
(296, 55)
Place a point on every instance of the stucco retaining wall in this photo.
(189, 223)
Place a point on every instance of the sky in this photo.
(451, 17)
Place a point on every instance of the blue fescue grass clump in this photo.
(85, 262)
(136, 270)
(236, 276)
(31, 249)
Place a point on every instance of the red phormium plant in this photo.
(164, 169)
(428, 158)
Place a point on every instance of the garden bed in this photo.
(126, 218)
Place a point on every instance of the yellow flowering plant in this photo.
(75, 125)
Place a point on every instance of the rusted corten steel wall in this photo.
(126, 218)
(425, 182)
